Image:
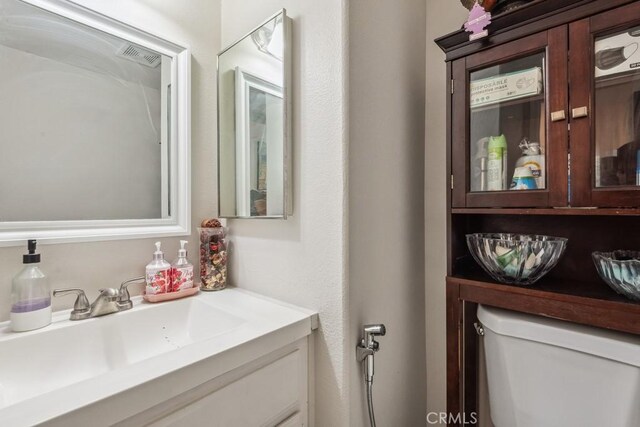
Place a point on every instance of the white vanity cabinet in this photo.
(270, 391)
(227, 358)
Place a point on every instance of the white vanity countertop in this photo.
(68, 365)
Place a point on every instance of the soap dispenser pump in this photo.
(182, 270)
(158, 273)
(30, 295)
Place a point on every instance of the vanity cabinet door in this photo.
(605, 109)
(509, 128)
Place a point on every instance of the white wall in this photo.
(303, 260)
(76, 144)
(386, 211)
(443, 17)
(379, 219)
(104, 264)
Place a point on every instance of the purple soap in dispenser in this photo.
(30, 295)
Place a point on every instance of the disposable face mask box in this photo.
(618, 54)
(504, 87)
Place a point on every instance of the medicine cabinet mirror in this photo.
(95, 127)
(254, 143)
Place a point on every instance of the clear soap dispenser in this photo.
(182, 270)
(30, 295)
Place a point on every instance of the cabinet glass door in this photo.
(605, 109)
(509, 129)
(507, 126)
(617, 109)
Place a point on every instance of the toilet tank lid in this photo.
(612, 345)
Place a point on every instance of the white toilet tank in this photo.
(547, 373)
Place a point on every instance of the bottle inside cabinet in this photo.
(507, 134)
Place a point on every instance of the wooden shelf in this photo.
(548, 211)
(589, 303)
(630, 77)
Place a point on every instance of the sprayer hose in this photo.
(372, 417)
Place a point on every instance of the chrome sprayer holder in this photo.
(365, 350)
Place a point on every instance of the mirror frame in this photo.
(179, 222)
(287, 161)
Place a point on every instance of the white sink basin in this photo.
(70, 352)
(75, 363)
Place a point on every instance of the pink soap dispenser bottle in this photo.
(158, 274)
(181, 270)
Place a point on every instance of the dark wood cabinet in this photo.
(514, 118)
(588, 126)
(584, 111)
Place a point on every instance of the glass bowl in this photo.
(620, 270)
(519, 259)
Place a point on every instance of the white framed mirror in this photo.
(254, 137)
(96, 127)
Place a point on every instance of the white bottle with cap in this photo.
(30, 295)
(532, 158)
(158, 274)
(181, 270)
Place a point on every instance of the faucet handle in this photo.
(124, 298)
(81, 305)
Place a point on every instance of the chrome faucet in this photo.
(109, 301)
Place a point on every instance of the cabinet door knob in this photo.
(580, 112)
(557, 116)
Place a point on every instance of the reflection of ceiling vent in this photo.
(141, 56)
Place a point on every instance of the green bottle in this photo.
(497, 163)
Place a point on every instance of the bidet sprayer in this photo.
(365, 350)
(368, 346)
(369, 334)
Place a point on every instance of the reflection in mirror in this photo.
(92, 136)
(84, 121)
(253, 146)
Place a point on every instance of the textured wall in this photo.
(443, 16)
(303, 260)
(386, 211)
(104, 264)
